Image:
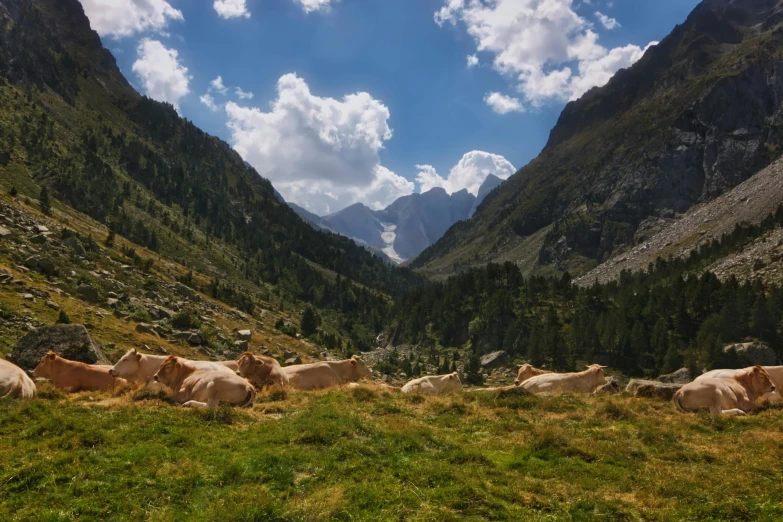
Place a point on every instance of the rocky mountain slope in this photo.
(748, 203)
(697, 115)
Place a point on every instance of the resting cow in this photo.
(203, 388)
(14, 382)
(775, 375)
(731, 396)
(579, 382)
(434, 384)
(73, 376)
(350, 370)
(138, 367)
(526, 371)
(262, 370)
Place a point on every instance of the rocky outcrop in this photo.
(70, 341)
(612, 386)
(652, 389)
(681, 376)
(490, 183)
(494, 359)
(753, 353)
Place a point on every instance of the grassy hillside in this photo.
(369, 455)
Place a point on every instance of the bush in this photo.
(185, 320)
(141, 316)
(63, 318)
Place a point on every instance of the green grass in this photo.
(369, 455)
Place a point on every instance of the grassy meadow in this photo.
(364, 454)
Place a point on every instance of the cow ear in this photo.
(451, 376)
(353, 361)
(138, 355)
(50, 355)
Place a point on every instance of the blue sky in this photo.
(426, 117)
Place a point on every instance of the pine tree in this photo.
(309, 323)
(13, 192)
(44, 202)
(63, 318)
(762, 323)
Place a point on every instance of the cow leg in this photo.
(212, 397)
(195, 404)
(733, 411)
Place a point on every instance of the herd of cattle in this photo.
(209, 384)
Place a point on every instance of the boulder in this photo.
(87, 293)
(751, 354)
(39, 239)
(613, 385)
(293, 360)
(4, 232)
(144, 328)
(51, 304)
(186, 291)
(71, 341)
(240, 346)
(46, 266)
(494, 359)
(653, 389)
(681, 376)
(75, 245)
(196, 339)
(244, 335)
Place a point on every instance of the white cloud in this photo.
(472, 60)
(502, 104)
(548, 50)
(217, 85)
(162, 76)
(209, 102)
(607, 21)
(469, 173)
(242, 95)
(315, 5)
(119, 18)
(321, 153)
(231, 8)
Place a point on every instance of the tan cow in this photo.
(579, 382)
(262, 370)
(73, 376)
(731, 396)
(14, 382)
(434, 384)
(775, 375)
(527, 371)
(350, 370)
(203, 388)
(139, 367)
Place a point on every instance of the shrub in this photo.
(63, 318)
(185, 320)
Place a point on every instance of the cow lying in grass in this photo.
(139, 367)
(732, 396)
(203, 388)
(261, 371)
(73, 376)
(434, 384)
(14, 382)
(775, 375)
(579, 382)
(526, 371)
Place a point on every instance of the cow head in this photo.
(759, 382)
(360, 367)
(527, 371)
(598, 371)
(257, 369)
(452, 382)
(46, 366)
(169, 370)
(128, 364)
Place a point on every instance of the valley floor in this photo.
(363, 454)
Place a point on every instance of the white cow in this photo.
(728, 396)
(14, 382)
(139, 367)
(434, 384)
(579, 382)
(775, 375)
(203, 388)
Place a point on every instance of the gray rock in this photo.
(52, 305)
(244, 335)
(196, 339)
(32, 262)
(46, 266)
(75, 245)
(681, 376)
(144, 328)
(613, 385)
(87, 293)
(186, 291)
(293, 360)
(111, 301)
(494, 359)
(754, 353)
(39, 239)
(4, 232)
(71, 341)
(240, 346)
(652, 389)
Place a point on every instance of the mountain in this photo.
(491, 183)
(73, 125)
(317, 221)
(698, 114)
(407, 226)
